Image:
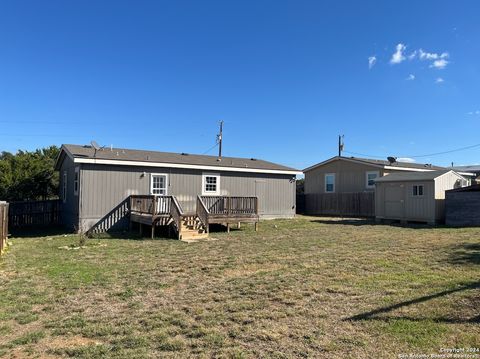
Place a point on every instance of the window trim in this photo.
(204, 182)
(76, 181)
(366, 178)
(418, 186)
(64, 186)
(334, 180)
(166, 183)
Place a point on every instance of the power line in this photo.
(419, 156)
(445, 152)
(363, 154)
(211, 148)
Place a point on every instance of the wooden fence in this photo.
(3, 226)
(358, 204)
(34, 213)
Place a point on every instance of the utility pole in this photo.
(219, 140)
(340, 145)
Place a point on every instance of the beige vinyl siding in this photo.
(442, 184)
(427, 208)
(349, 177)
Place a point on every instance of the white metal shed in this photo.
(415, 196)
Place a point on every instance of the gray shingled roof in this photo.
(122, 154)
(469, 168)
(398, 164)
(381, 163)
(411, 176)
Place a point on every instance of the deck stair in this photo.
(191, 228)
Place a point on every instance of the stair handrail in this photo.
(176, 212)
(202, 213)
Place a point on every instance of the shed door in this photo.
(261, 195)
(395, 201)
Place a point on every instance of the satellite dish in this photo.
(95, 145)
(392, 159)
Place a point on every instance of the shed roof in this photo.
(469, 168)
(413, 166)
(413, 176)
(122, 156)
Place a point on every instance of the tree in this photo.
(29, 175)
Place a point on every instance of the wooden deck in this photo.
(228, 210)
(165, 210)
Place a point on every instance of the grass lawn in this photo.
(309, 287)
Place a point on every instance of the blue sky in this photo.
(286, 77)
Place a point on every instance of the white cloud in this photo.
(439, 80)
(406, 159)
(412, 55)
(372, 60)
(432, 55)
(398, 56)
(410, 77)
(474, 112)
(439, 64)
(439, 60)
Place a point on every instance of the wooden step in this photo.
(193, 231)
(194, 238)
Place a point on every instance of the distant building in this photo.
(474, 169)
(346, 185)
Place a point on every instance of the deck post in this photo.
(153, 230)
(228, 227)
(256, 226)
(238, 225)
(140, 229)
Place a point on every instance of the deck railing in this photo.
(202, 212)
(230, 205)
(150, 204)
(177, 213)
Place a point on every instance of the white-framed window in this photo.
(211, 184)
(64, 187)
(330, 183)
(417, 190)
(370, 177)
(76, 181)
(158, 184)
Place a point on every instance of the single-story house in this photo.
(462, 206)
(96, 183)
(414, 196)
(351, 181)
(352, 174)
(473, 169)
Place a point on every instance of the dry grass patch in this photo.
(307, 287)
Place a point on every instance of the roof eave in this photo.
(339, 158)
(185, 166)
(59, 160)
